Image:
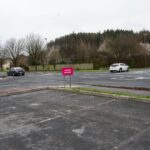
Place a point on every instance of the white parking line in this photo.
(47, 74)
(32, 124)
(122, 144)
(141, 78)
(122, 79)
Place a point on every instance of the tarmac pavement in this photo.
(58, 120)
(35, 117)
(20, 85)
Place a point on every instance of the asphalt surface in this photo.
(136, 82)
(132, 79)
(57, 120)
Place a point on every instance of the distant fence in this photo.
(59, 66)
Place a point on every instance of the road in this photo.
(124, 79)
(132, 79)
(58, 120)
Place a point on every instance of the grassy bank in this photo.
(110, 93)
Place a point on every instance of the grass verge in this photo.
(110, 93)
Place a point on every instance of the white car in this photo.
(119, 67)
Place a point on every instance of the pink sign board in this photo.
(67, 71)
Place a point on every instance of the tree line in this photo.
(101, 49)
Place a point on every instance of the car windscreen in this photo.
(18, 69)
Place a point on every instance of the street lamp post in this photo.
(46, 50)
(46, 42)
(145, 50)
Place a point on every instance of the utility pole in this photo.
(145, 34)
(46, 42)
(46, 47)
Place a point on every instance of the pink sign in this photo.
(67, 71)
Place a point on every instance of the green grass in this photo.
(110, 93)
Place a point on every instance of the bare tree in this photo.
(43, 58)
(13, 49)
(55, 57)
(2, 57)
(34, 45)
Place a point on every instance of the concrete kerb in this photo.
(122, 87)
(15, 91)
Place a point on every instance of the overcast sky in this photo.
(55, 18)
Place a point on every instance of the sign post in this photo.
(67, 72)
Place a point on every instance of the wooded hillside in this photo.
(105, 48)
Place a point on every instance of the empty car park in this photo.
(58, 120)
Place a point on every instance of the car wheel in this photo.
(120, 70)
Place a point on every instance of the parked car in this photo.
(119, 67)
(16, 71)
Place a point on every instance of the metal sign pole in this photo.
(64, 81)
(67, 72)
(70, 80)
